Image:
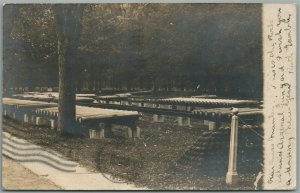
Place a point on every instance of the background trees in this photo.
(213, 47)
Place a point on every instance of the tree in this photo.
(30, 41)
(159, 46)
(68, 29)
(9, 14)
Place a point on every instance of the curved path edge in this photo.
(81, 179)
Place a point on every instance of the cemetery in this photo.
(159, 96)
(205, 122)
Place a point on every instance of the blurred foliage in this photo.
(215, 47)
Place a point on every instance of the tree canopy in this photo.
(212, 47)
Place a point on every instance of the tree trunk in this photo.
(67, 102)
(68, 28)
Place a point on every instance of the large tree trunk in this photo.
(68, 27)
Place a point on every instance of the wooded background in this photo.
(212, 48)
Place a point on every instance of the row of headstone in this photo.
(106, 131)
(147, 104)
(40, 121)
(182, 121)
(185, 121)
(26, 89)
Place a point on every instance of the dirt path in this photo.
(17, 177)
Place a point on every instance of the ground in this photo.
(166, 157)
(17, 177)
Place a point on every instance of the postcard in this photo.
(149, 96)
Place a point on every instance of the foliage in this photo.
(215, 47)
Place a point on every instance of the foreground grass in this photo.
(158, 160)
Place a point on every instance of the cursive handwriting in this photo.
(280, 39)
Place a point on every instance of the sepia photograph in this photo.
(149, 96)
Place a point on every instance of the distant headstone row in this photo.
(92, 122)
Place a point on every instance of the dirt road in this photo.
(17, 177)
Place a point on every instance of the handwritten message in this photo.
(279, 42)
